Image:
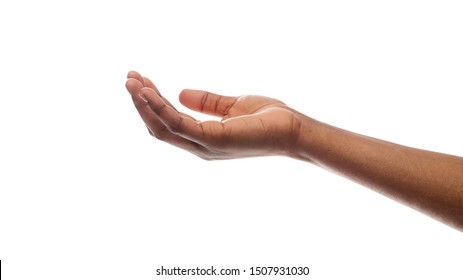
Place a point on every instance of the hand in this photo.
(257, 126)
(250, 125)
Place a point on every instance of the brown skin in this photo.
(258, 126)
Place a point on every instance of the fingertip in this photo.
(131, 74)
(133, 85)
(182, 96)
(147, 90)
(148, 93)
(135, 75)
(148, 83)
(146, 96)
(185, 96)
(189, 91)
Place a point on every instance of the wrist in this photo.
(305, 136)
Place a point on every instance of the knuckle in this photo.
(204, 100)
(216, 106)
(176, 127)
(158, 108)
(139, 104)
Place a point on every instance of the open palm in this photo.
(250, 125)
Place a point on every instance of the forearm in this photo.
(428, 181)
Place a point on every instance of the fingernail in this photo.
(143, 97)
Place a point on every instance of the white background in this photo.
(86, 193)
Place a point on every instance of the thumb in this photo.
(207, 102)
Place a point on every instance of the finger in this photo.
(133, 86)
(207, 102)
(148, 83)
(135, 75)
(169, 116)
(155, 126)
(204, 133)
(144, 80)
(158, 130)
